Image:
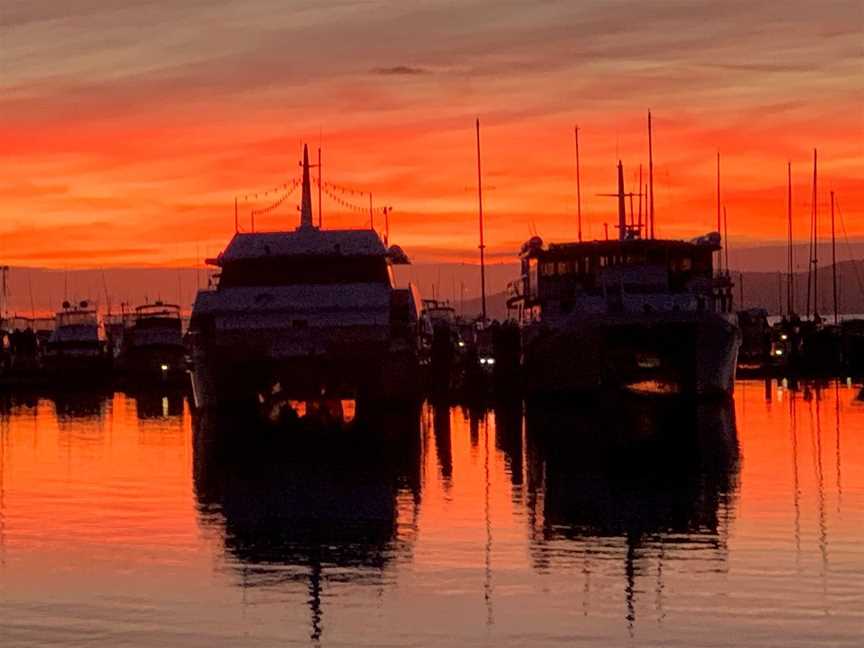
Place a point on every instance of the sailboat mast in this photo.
(320, 181)
(622, 210)
(719, 220)
(815, 242)
(834, 262)
(726, 238)
(790, 280)
(650, 177)
(482, 245)
(578, 189)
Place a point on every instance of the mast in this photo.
(726, 237)
(236, 223)
(320, 202)
(640, 202)
(719, 221)
(650, 178)
(622, 211)
(306, 199)
(834, 262)
(790, 280)
(815, 242)
(371, 214)
(482, 245)
(578, 189)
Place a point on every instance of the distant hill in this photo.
(42, 290)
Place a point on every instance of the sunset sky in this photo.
(126, 133)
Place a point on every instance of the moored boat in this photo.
(302, 314)
(152, 344)
(76, 350)
(634, 313)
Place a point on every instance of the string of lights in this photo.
(289, 189)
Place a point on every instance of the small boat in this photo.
(77, 350)
(305, 314)
(152, 344)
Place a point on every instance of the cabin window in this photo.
(298, 270)
(547, 269)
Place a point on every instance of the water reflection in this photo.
(317, 507)
(644, 472)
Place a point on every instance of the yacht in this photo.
(77, 348)
(302, 314)
(634, 313)
(152, 343)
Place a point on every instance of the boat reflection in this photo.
(312, 507)
(627, 480)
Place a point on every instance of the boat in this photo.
(152, 344)
(634, 313)
(305, 313)
(76, 349)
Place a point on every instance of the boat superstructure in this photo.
(305, 313)
(631, 312)
(152, 342)
(76, 348)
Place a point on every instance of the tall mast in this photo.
(640, 201)
(306, 199)
(719, 221)
(578, 188)
(650, 177)
(815, 241)
(834, 262)
(482, 245)
(622, 210)
(320, 180)
(790, 280)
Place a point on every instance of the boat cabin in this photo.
(618, 276)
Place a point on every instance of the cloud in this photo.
(400, 70)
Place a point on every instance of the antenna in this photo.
(578, 188)
(236, 223)
(726, 237)
(482, 245)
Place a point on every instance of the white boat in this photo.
(305, 313)
(77, 349)
(152, 343)
(637, 313)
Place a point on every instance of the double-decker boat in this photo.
(77, 348)
(637, 313)
(308, 313)
(152, 343)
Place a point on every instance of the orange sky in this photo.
(127, 132)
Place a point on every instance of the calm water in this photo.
(127, 521)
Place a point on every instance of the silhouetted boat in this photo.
(307, 313)
(635, 313)
(77, 349)
(152, 344)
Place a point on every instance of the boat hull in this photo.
(225, 377)
(677, 353)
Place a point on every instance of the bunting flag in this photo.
(289, 189)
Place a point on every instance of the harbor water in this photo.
(127, 521)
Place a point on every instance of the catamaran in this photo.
(305, 314)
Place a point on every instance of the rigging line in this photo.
(849, 248)
(271, 207)
(343, 202)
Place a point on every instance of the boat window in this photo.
(76, 319)
(286, 271)
(547, 269)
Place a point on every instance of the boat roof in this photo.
(304, 241)
(534, 247)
